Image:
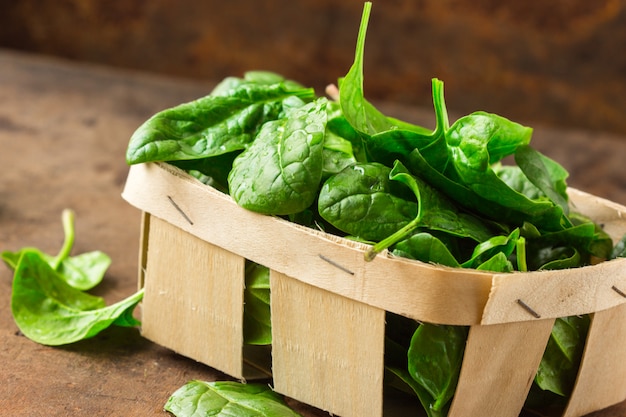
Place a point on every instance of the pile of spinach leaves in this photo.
(439, 195)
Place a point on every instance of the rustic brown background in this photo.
(560, 62)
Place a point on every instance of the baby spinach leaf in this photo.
(545, 173)
(434, 212)
(51, 312)
(83, 271)
(560, 258)
(396, 144)
(227, 399)
(281, 171)
(472, 154)
(212, 125)
(212, 171)
(559, 365)
(256, 312)
(86, 270)
(361, 114)
(426, 248)
(434, 362)
(515, 178)
(362, 201)
(339, 126)
(492, 246)
(497, 263)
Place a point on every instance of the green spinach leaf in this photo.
(426, 248)
(559, 366)
(434, 362)
(83, 271)
(545, 173)
(256, 312)
(281, 171)
(362, 201)
(227, 399)
(212, 125)
(51, 312)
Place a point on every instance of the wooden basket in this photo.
(328, 304)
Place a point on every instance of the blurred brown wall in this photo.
(559, 62)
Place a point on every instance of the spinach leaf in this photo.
(361, 114)
(396, 144)
(434, 212)
(51, 312)
(545, 173)
(256, 312)
(576, 243)
(559, 365)
(362, 201)
(281, 171)
(492, 246)
(339, 126)
(212, 125)
(434, 362)
(471, 142)
(227, 399)
(83, 271)
(426, 248)
(212, 171)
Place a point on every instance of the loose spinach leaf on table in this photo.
(83, 271)
(47, 300)
(51, 312)
(212, 125)
(281, 171)
(227, 399)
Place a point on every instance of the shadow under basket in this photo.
(328, 305)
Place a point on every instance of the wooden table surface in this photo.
(64, 128)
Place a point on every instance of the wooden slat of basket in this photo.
(327, 350)
(193, 302)
(601, 378)
(499, 365)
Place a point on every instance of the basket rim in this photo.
(422, 291)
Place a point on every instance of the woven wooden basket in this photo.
(328, 304)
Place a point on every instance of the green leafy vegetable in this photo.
(227, 399)
(362, 201)
(215, 124)
(256, 312)
(559, 365)
(434, 362)
(51, 312)
(281, 171)
(83, 271)
(47, 300)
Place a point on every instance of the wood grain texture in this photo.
(601, 379)
(500, 358)
(327, 350)
(193, 302)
